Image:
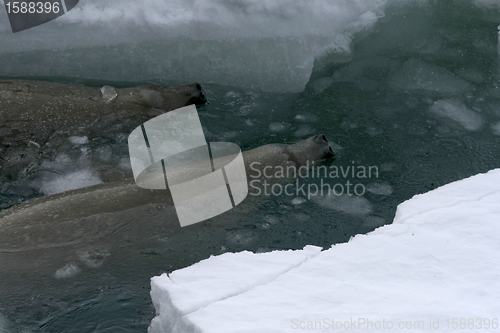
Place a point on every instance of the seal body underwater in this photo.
(86, 244)
(38, 118)
(82, 215)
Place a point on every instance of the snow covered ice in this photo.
(437, 261)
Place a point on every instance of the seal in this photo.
(83, 215)
(270, 157)
(34, 110)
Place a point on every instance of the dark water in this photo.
(419, 100)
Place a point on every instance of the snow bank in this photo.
(438, 260)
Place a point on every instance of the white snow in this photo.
(184, 291)
(437, 261)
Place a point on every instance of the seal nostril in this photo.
(198, 86)
(321, 137)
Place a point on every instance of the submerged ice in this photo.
(457, 111)
(416, 74)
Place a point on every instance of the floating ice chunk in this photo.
(350, 204)
(380, 188)
(279, 127)
(308, 118)
(78, 140)
(458, 112)
(108, 93)
(298, 200)
(67, 271)
(34, 144)
(71, 181)
(418, 75)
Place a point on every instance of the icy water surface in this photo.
(417, 98)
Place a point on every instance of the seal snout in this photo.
(322, 139)
(196, 95)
